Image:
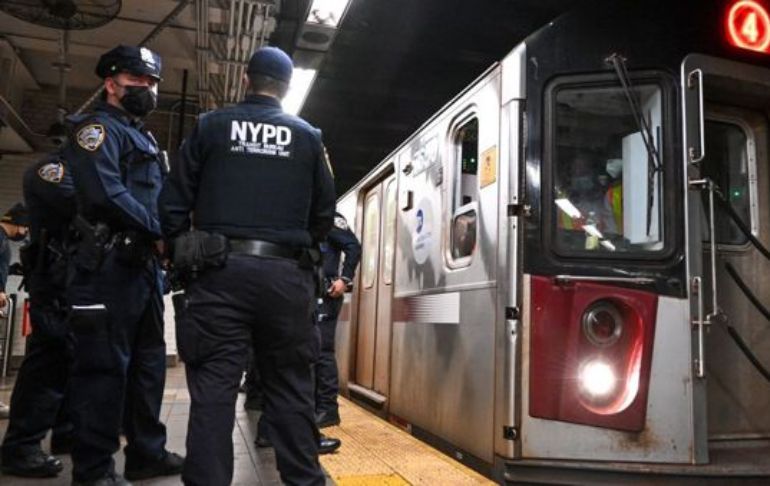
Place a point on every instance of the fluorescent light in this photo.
(327, 12)
(592, 230)
(608, 245)
(301, 82)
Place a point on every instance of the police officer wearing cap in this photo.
(13, 226)
(38, 399)
(115, 287)
(260, 178)
(340, 241)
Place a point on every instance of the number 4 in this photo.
(749, 28)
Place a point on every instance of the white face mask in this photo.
(615, 167)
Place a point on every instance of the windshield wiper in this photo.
(618, 62)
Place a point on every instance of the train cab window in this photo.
(463, 227)
(371, 239)
(729, 165)
(606, 178)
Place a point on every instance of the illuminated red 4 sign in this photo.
(748, 26)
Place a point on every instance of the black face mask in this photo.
(139, 100)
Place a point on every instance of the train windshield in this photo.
(606, 190)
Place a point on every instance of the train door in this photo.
(372, 377)
(727, 148)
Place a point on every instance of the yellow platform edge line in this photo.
(377, 476)
(372, 480)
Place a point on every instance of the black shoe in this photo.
(327, 419)
(327, 445)
(111, 479)
(61, 444)
(170, 465)
(35, 465)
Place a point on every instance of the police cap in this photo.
(273, 62)
(134, 60)
(16, 215)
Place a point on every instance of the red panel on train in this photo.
(591, 353)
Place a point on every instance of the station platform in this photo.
(373, 451)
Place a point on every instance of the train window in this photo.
(463, 228)
(727, 164)
(371, 242)
(390, 233)
(606, 181)
(467, 142)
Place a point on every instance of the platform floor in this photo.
(373, 451)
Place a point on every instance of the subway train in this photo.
(565, 270)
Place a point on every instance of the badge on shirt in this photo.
(53, 172)
(340, 223)
(90, 137)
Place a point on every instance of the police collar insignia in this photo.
(340, 222)
(147, 57)
(90, 137)
(53, 172)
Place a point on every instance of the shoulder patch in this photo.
(90, 137)
(340, 223)
(53, 172)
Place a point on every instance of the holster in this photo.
(94, 241)
(195, 251)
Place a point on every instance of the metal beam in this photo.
(152, 35)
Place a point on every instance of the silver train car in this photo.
(564, 270)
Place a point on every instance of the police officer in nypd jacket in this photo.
(260, 178)
(115, 288)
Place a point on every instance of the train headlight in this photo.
(597, 379)
(602, 324)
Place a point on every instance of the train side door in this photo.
(727, 151)
(372, 375)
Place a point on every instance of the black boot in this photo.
(170, 465)
(37, 464)
(327, 445)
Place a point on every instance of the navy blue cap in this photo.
(16, 215)
(134, 60)
(273, 62)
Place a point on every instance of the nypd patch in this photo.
(53, 172)
(90, 137)
(340, 223)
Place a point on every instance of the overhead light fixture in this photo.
(301, 82)
(327, 12)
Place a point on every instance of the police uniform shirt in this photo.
(251, 171)
(117, 170)
(49, 196)
(341, 240)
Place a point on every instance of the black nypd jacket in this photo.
(251, 171)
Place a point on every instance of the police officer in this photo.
(260, 178)
(38, 399)
(340, 240)
(115, 290)
(13, 226)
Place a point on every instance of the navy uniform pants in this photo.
(119, 369)
(266, 303)
(327, 376)
(38, 401)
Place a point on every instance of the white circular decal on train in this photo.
(422, 234)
